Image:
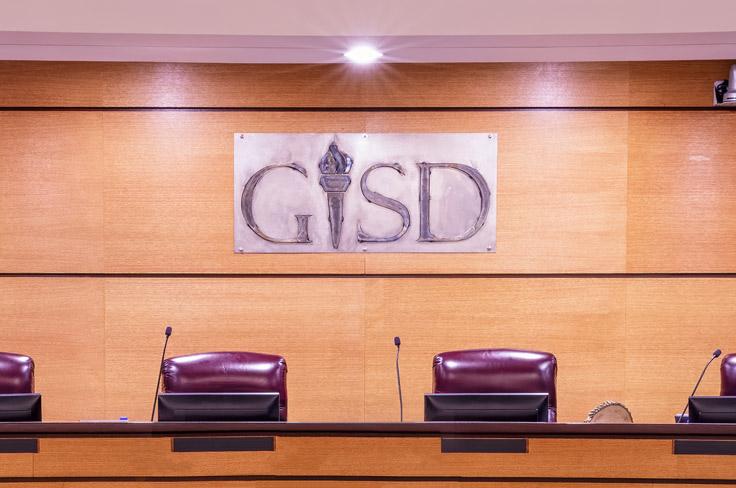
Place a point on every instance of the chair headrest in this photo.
(728, 375)
(496, 371)
(16, 373)
(224, 372)
(227, 372)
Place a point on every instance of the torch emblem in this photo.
(335, 166)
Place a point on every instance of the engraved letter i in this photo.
(335, 166)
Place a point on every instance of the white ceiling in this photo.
(407, 30)
(368, 17)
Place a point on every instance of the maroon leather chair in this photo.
(728, 375)
(227, 372)
(497, 371)
(16, 373)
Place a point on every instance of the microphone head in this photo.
(397, 341)
(168, 331)
(716, 353)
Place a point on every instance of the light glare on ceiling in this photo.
(363, 54)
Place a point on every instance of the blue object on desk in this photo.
(685, 419)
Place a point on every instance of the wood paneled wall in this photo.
(383, 461)
(616, 235)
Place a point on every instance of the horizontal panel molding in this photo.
(581, 84)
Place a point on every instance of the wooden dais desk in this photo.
(141, 454)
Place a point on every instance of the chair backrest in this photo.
(728, 375)
(227, 372)
(497, 371)
(16, 373)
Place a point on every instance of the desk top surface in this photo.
(405, 429)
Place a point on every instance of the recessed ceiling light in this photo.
(363, 54)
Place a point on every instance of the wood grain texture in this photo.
(649, 82)
(169, 195)
(377, 456)
(599, 191)
(51, 172)
(672, 326)
(682, 179)
(273, 85)
(488, 85)
(53, 84)
(166, 203)
(561, 192)
(151, 192)
(581, 321)
(316, 324)
(610, 84)
(60, 324)
(637, 340)
(16, 465)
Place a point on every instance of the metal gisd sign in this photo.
(304, 193)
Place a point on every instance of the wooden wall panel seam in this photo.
(378, 108)
(480, 276)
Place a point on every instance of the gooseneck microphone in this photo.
(716, 353)
(397, 343)
(160, 370)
